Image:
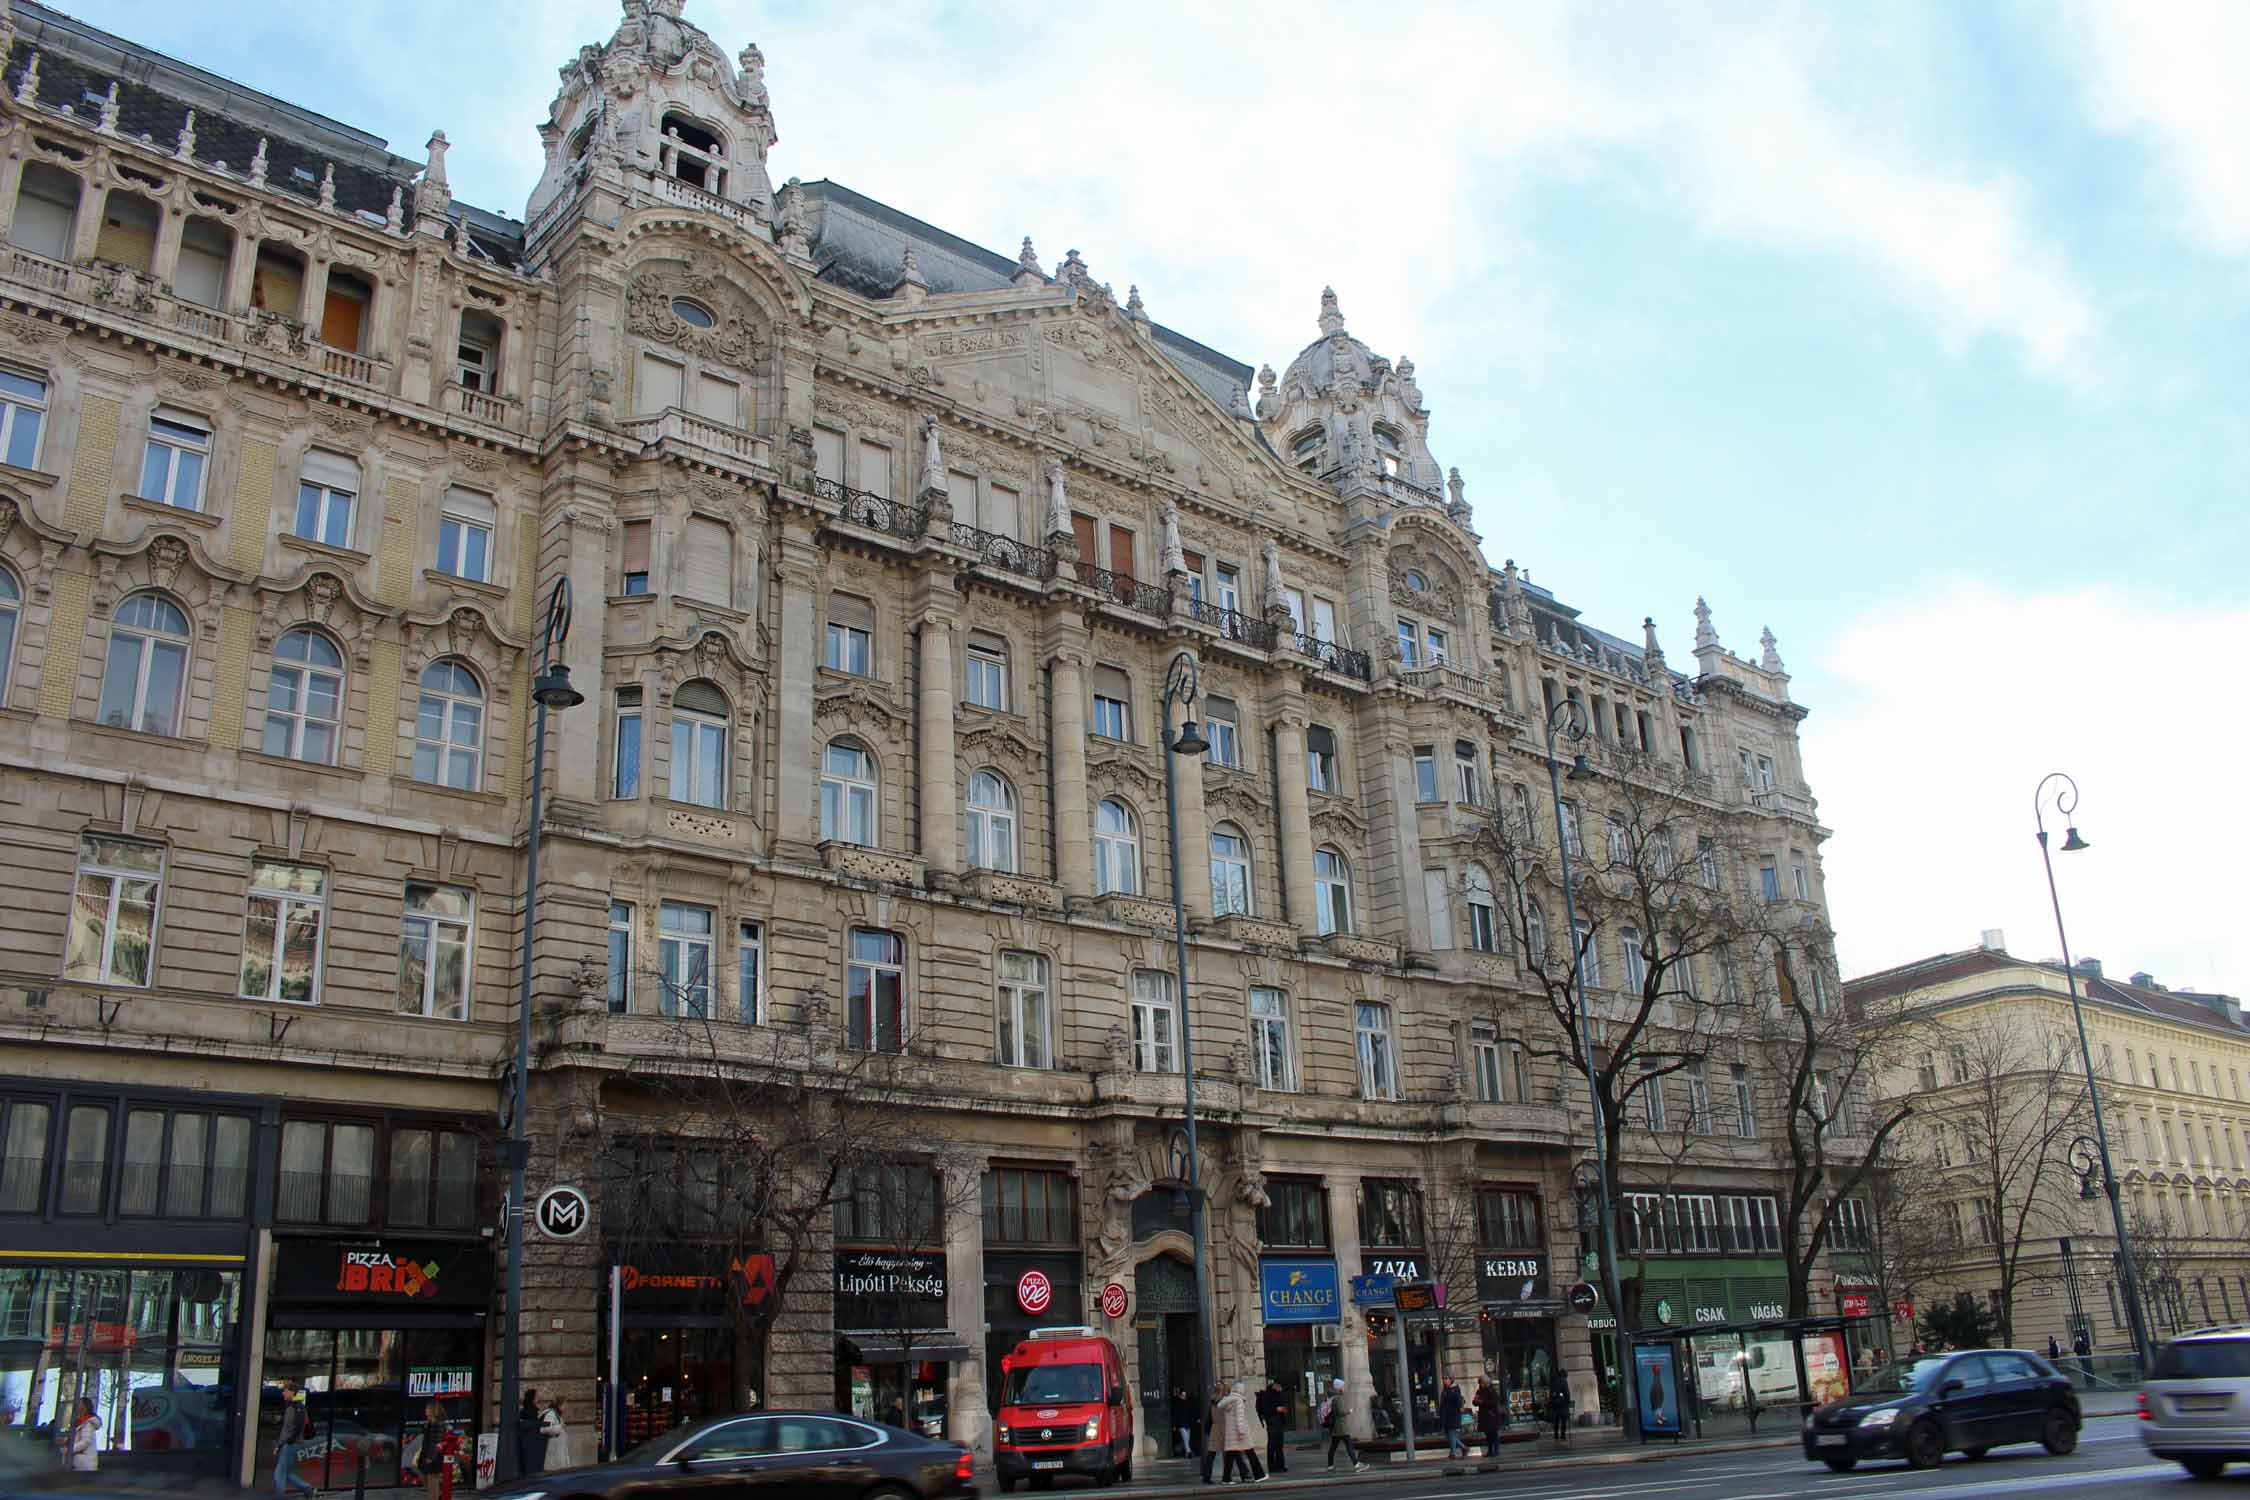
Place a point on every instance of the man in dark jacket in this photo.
(531, 1444)
(1449, 1406)
(1183, 1423)
(1273, 1410)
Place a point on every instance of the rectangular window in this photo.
(620, 957)
(1765, 773)
(875, 469)
(23, 1171)
(113, 913)
(1378, 1070)
(1030, 1206)
(179, 448)
(465, 527)
(1571, 842)
(1390, 1213)
(476, 360)
(718, 399)
(1409, 645)
(434, 954)
(1652, 1099)
(850, 649)
(661, 386)
(1468, 775)
(1270, 1039)
(750, 974)
(1484, 1063)
(327, 1173)
(1324, 620)
(1321, 773)
(698, 772)
(1698, 1224)
(23, 411)
(85, 1160)
(987, 679)
(1113, 709)
(828, 454)
(633, 558)
(281, 946)
(1024, 1028)
(1699, 1099)
(875, 992)
(324, 510)
(1425, 774)
(1293, 600)
(1509, 1219)
(1620, 842)
(1223, 732)
(625, 748)
(1801, 882)
(1589, 953)
(1156, 1023)
(1769, 881)
(1295, 1215)
(1745, 1116)
(684, 958)
(1439, 645)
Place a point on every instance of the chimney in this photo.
(2090, 968)
(2143, 980)
(1994, 941)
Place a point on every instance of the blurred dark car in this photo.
(1970, 1402)
(789, 1455)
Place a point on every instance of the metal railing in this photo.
(860, 508)
(1335, 658)
(1148, 598)
(1005, 552)
(1233, 624)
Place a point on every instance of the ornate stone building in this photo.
(881, 545)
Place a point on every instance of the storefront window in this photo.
(1519, 1357)
(366, 1390)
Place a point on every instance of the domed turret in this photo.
(1342, 411)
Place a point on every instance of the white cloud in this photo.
(1953, 706)
(2173, 73)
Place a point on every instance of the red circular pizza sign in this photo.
(1034, 1292)
(1113, 1300)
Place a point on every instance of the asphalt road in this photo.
(2110, 1463)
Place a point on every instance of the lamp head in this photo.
(1579, 769)
(1189, 741)
(2072, 843)
(553, 689)
(2086, 1185)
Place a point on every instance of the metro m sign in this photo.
(563, 1213)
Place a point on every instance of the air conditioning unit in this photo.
(1326, 1335)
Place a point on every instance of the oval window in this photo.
(692, 312)
(1415, 580)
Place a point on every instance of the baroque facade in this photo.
(880, 546)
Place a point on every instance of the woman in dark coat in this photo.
(531, 1445)
(1488, 1417)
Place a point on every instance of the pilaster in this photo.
(941, 854)
(1074, 848)
(966, 1419)
(1343, 1228)
(797, 802)
(1296, 815)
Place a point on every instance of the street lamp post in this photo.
(1568, 718)
(550, 690)
(1181, 683)
(2066, 804)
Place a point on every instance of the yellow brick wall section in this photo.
(128, 245)
(252, 514)
(90, 464)
(527, 573)
(66, 636)
(394, 560)
(519, 746)
(230, 677)
(386, 661)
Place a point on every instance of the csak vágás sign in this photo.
(382, 1273)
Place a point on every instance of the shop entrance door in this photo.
(1169, 1358)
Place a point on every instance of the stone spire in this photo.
(328, 187)
(1135, 309)
(433, 195)
(1331, 320)
(1027, 266)
(1058, 510)
(27, 87)
(1769, 658)
(184, 148)
(911, 283)
(108, 119)
(1706, 639)
(258, 164)
(1650, 650)
(1269, 400)
(1513, 606)
(1072, 273)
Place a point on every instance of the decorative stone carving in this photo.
(1058, 508)
(1706, 638)
(1270, 551)
(733, 339)
(166, 556)
(1769, 654)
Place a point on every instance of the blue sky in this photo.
(1916, 331)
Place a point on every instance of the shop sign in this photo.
(1373, 1291)
(668, 1282)
(913, 1274)
(383, 1273)
(440, 1380)
(1034, 1292)
(1115, 1299)
(1511, 1276)
(1299, 1291)
(1405, 1265)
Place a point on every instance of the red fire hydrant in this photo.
(449, 1449)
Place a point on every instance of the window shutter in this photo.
(844, 609)
(875, 469)
(1089, 544)
(706, 561)
(636, 547)
(659, 385)
(719, 399)
(1002, 512)
(828, 453)
(1321, 740)
(1194, 562)
(700, 697)
(1441, 908)
(1121, 551)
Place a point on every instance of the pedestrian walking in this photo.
(2085, 1352)
(556, 1436)
(531, 1448)
(1235, 1422)
(1487, 1406)
(2054, 1348)
(80, 1444)
(286, 1479)
(1273, 1410)
(1558, 1406)
(1183, 1423)
(430, 1462)
(1449, 1408)
(1333, 1420)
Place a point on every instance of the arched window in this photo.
(305, 698)
(449, 727)
(1535, 934)
(144, 681)
(992, 822)
(11, 610)
(1304, 449)
(699, 745)
(1230, 871)
(1389, 451)
(1484, 929)
(1117, 849)
(847, 793)
(1332, 891)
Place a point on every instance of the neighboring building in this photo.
(881, 544)
(2170, 1065)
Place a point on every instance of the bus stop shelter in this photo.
(1724, 1379)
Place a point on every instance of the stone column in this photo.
(1195, 836)
(1074, 848)
(966, 1420)
(941, 852)
(1343, 1228)
(164, 260)
(1296, 818)
(242, 271)
(797, 809)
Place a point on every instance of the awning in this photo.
(939, 1346)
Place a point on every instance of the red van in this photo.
(1064, 1409)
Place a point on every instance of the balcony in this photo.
(861, 862)
(670, 189)
(1238, 927)
(343, 364)
(479, 407)
(874, 512)
(1129, 592)
(1484, 692)
(1769, 799)
(1355, 948)
(1330, 657)
(1003, 889)
(1234, 625)
(1136, 911)
(681, 433)
(993, 550)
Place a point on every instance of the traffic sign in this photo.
(1583, 1298)
(563, 1213)
(1114, 1300)
(1034, 1292)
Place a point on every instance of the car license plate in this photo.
(2203, 1403)
(1046, 1463)
(1831, 1440)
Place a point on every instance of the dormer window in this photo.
(1304, 452)
(695, 314)
(693, 154)
(1388, 450)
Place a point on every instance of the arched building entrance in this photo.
(1164, 1326)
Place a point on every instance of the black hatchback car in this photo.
(1922, 1409)
(789, 1455)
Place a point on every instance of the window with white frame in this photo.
(1752, 1225)
(1378, 1065)
(327, 491)
(750, 973)
(1485, 1063)
(1324, 620)
(11, 615)
(1483, 911)
(476, 360)
(281, 939)
(635, 544)
(620, 957)
(23, 411)
(1847, 1226)
(1620, 844)
(1643, 1224)
(1332, 892)
(1271, 1041)
(1293, 600)
(850, 645)
(992, 822)
(1652, 1099)
(985, 674)
(1117, 849)
(465, 526)
(435, 958)
(875, 468)
(1425, 773)
(625, 746)
(1570, 839)
(144, 677)
(1026, 1026)
(1468, 775)
(1589, 953)
(1745, 1112)
(847, 793)
(1437, 645)
(1323, 773)
(875, 991)
(1156, 1023)
(1409, 644)
(1699, 1098)
(1698, 1224)
(449, 726)
(1113, 704)
(1535, 934)
(113, 913)
(685, 939)
(1223, 732)
(174, 460)
(1636, 962)
(1799, 880)
(1230, 871)
(305, 698)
